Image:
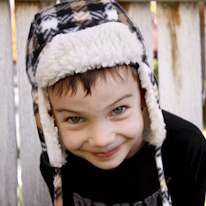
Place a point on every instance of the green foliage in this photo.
(204, 132)
(205, 199)
(20, 196)
(155, 64)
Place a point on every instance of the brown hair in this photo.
(88, 79)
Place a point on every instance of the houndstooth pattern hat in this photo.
(57, 47)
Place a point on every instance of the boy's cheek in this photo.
(133, 131)
(71, 140)
(132, 128)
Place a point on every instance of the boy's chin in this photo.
(106, 164)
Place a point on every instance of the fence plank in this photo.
(203, 59)
(179, 53)
(8, 156)
(35, 191)
(140, 13)
(204, 112)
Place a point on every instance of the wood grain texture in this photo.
(179, 54)
(141, 16)
(35, 191)
(203, 45)
(8, 156)
(204, 95)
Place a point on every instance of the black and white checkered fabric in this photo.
(68, 17)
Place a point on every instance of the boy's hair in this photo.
(88, 79)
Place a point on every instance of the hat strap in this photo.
(166, 199)
(58, 201)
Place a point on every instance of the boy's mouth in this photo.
(106, 155)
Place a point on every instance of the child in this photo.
(104, 137)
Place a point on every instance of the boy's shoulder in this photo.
(180, 129)
(184, 143)
(184, 160)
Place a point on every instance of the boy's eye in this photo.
(75, 120)
(119, 110)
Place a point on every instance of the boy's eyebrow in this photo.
(60, 109)
(66, 110)
(120, 99)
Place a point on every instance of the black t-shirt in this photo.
(184, 159)
(135, 181)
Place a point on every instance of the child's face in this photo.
(105, 127)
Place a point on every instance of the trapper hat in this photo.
(80, 35)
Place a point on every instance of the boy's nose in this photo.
(101, 135)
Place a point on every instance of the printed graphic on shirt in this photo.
(153, 200)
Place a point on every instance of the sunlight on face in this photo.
(105, 127)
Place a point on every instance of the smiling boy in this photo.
(104, 137)
(105, 126)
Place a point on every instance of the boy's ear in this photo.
(142, 93)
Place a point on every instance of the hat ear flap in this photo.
(55, 150)
(155, 132)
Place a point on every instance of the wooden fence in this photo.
(181, 60)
